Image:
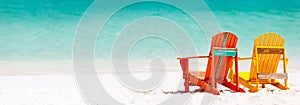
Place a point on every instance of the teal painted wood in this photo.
(224, 53)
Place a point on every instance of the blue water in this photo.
(39, 30)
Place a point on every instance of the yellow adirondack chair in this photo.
(267, 52)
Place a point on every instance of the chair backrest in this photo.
(221, 64)
(266, 63)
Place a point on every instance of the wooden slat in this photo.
(252, 68)
(260, 57)
(198, 74)
(219, 61)
(258, 42)
(212, 63)
(274, 40)
(223, 59)
(280, 42)
(216, 60)
(262, 60)
(268, 56)
(270, 51)
(231, 44)
(225, 62)
(277, 39)
(228, 59)
(213, 43)
(272, 76)
(224, 53)
(274, 56)
(209, 62)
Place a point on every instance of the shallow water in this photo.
(44, 30)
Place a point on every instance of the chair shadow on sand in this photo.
(191, 92)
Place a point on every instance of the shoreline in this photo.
(66, 67)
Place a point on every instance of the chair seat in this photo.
(201, 75)
(246, 76)
(198, 74)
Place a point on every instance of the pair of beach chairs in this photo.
(222, 66)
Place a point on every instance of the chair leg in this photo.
(263, 85)
(280, 86)
(212, 90)
(233, 87)
(208, 88)
(248, 85)
(257, 84)
(186, 85)
(286, 84)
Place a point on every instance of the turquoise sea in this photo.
(44, 30)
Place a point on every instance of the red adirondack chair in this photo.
(223, 52)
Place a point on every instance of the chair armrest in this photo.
(193, 57)
(248, 58)
(221, 48)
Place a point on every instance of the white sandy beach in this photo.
(62, 89)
